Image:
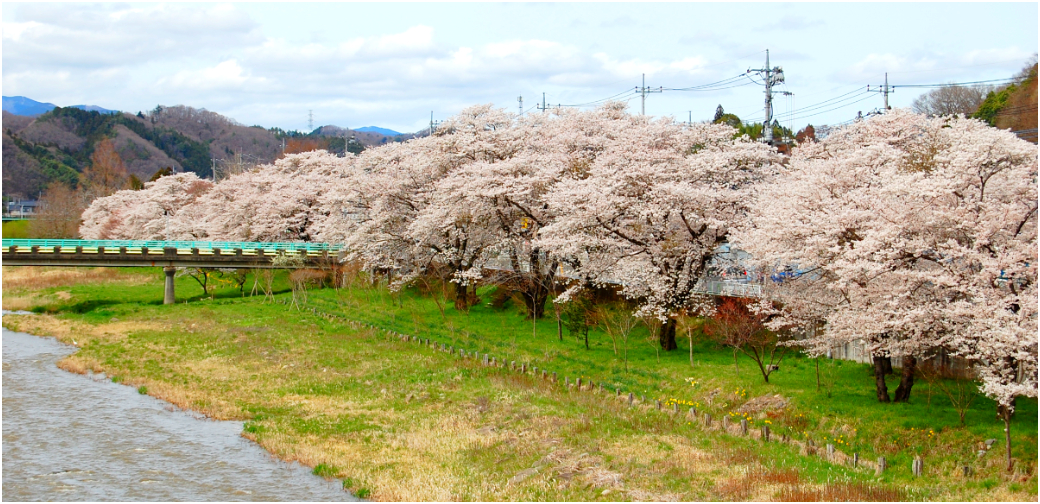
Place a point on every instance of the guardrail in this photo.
(181, 245)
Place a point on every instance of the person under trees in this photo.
(909, 233)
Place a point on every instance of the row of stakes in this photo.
(916, 468)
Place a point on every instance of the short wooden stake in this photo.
(830, 451)
(675, 407)
(765, 433)
(882, 464)
(743, 426)
(523, 368)
(707, 419)
(658, 405)
(578, 384)
(855, 460)
(917, 467)
(967, 471)
(631, 399)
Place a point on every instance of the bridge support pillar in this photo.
(168, 298)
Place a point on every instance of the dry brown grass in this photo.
(839, 492)
(757, 484)
(39, 277)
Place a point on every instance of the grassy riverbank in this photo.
(400, 421)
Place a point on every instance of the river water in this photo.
(69, 437)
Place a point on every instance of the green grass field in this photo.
(400, 421)
(16, 229)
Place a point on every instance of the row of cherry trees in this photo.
(907, 232)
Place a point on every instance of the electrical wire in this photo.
(955, 84)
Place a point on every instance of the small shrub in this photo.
(363, 493)
(142, 390)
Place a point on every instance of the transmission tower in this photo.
(772, 76)
(310, 120)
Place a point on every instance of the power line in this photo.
(954, 84)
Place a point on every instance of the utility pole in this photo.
(885, 90)
(773, 76)
(521, 100)
(542, 107)
(433, 124)
(643, 90)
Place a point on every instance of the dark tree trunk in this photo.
(1004, 413)
(462, 297)
(887, 365)
(534, 299)
(667, 337)
(879, 379)
(906, 381)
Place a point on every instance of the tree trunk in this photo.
(1004, 413)
(461, 294)
(667, 337)
(534, 299)
(879, 379)
(906, 381)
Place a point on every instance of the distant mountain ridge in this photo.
(377, 129)
(20, 105)
(43, 143)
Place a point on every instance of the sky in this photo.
(393, 64)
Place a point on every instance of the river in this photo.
(69, 437)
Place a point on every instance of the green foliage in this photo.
(142, 390)
(325, 471)
(16, 229)
(996, 101)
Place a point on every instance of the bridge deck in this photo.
(139, 253)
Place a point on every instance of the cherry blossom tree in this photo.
(909, 234)
(653, 208)
(160, 211)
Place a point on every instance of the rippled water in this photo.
(69, 437)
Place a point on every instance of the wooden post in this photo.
(830, 452)
(765, 433)
(855, 460)
(882, 464)
(725, 423)
(578, 384)
(692, 413)
(917, 467)
(631, 399)
(523, 368)
(658, 405)
(675, 408)
(707, 420)
(566, 382)
(545, 375)
(554, 377)
(743, 426)
(485, 362)
(967, 471)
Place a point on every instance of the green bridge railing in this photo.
(201, 245)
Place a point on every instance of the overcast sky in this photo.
(391, 64)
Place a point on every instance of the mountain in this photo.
(20, 105)
(376, 129)
(56, 145)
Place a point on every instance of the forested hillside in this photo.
(57, 145)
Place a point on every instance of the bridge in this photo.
(166, 254)
(253, 255)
